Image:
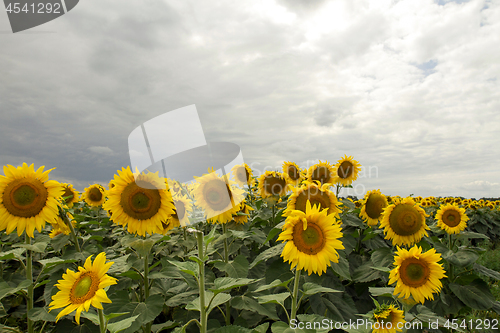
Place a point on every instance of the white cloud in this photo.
(101, 150)
(480, 185)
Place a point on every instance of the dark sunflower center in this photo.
(84, 288)
(315, 196)
(405, 220)
(95, 194)
(25, 197)
(388, 319)
(375, 205)
(140, 203)
(293, 173)
(451, 218)
(242, 174)
(414, 272)
(274, 185)
(345, 169)
(68, 194)
(321, 174)
(180, 209)
(217, 194)
(309, 241)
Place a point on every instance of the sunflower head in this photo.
(292, 173)
(451, 218)
(94, 195)
(372, 207)
(272, 184)
(312, 239)
(242, 175)
(346, 170)
(79, 290)
(59, 226)
(404, 222)
(417, 274)
(317, 195)
(70, 195)
(139, 201)
(321, 173)
(218, 196)
(244, 209)
(386, 319)
(183, 207)
(27, 199)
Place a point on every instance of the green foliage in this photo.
(252, 290)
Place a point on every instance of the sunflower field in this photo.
(278, 252)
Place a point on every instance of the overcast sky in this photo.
(409, 88)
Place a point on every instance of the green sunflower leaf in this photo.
(226, 283)
(121, 325)
(269, 253)
(312, 288)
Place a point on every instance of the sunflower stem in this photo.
(43, 326)
(226, 260)
(146, 273)
(102, 323)
(273, 209)
(29, 277)
(184, 247)
(201, 286)
(450, 266)
(146, 286)
(63, 215)
(295, 304)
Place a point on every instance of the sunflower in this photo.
(174, 187)
(292, 174)
(272, 184)
(217, 196)
(168, 225)
(312, 239)
(70, 195)
(242, 175)
(387, 319)
(94, 195)
(245, 209)
(78, 291)
(181, 212)
(60, 227)
(417, 274)
(321, 172)
(451, 218)
(317, 195)
(28, 199)
(404, 222)
(372, 207)
(346, 170)
(139, 201)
